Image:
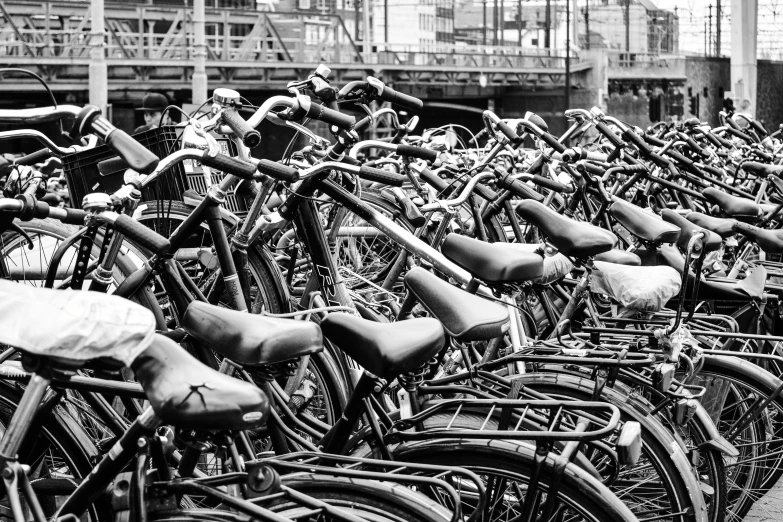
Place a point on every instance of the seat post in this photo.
(576, 296)
(23, 416)
(334, 441)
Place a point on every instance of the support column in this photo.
(744, 30)
(99, 76)
(199, 80)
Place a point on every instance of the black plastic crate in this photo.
(81, 169)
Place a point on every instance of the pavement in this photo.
(769, 508)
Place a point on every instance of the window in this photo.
(304, 4)
(534, 41)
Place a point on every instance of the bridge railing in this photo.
(35, 29)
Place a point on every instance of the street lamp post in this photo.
(199, 80)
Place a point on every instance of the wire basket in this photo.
(84, 177)
(195, 179)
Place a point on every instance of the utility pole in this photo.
(709, 28)
(706, 52)
(628, 27)
(502, 36)
(484, 25)
(367, 33)
(519, 22)
(568, 57)
(99, 76)
(495, 24)
(587, 24)
(718, 13)
(199, 80)
(386, 22)
(356, 20)
(548, 25)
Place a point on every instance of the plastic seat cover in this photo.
(641, 288)
(79, 326)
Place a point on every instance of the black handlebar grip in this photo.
(549, 183)
(229, 165)
(351, 161)
(652, 140)
(403, 100)
(741, 135)
(330, 117)
(249, 136)
(35, 157)
(638, 142)
(74, 216)
(759, 128)
(695, 146)
(721, 141)
(41, 210)
(506, 129)
(766, 156)
(433, 180)
(278, 171)
(134, 153)
(411, 211)
(686, 162)
(537, 165)
(552, 142)
(607, 132)
(417, 152)
(518, 188)
(381, 176)
(144, 236)
(713, 170)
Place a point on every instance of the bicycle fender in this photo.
(714, 439)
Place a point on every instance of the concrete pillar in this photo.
(99, 75)
(744, 31)
(199, 80)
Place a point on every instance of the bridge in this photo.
(151, 47)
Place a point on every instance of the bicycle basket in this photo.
(81, 169)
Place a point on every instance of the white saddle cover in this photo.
(556, 266)
(73, 325)
(640, 288)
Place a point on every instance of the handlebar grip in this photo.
(278, 171)
(518, 188)
(652, 140)
(695, 146)
(759, 128)
(417, 152)
(638, 142)
(35, 157)
(403, 100)
(537, 165)
(410, 210)
(433, 180)
(713, 170)
(74, 216)
(607, 132)
(351, 161)
(362, 124)
(381, 176)
(741, 135)
(548, 183)
(134, 153)
(506, 129)
(552, 142)
(229, 165)
(331, 117)
(249, 136)
(111, 165)
(144, 236)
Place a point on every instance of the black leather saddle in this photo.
(708, 289)
(763, 169)
(572, 238)
(722, 227)
(190, 395)
(643, 225)
(464, 316)
(733, 206)
(619, 257)
(712, 241)
(493, 262)
(770, 241)
(385, 349)
(250, 339)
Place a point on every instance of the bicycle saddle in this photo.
(721, 226)
(385, 349)
(640, 288)
(464, 316)
(493, 262)
(76, 327)
(572, 238)
(248, 338)
(619, 257)
(770, 241)
(732, 206)
(708, 289)
(646, 227)
(763, 169)
(712, 241)
(190, 395)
